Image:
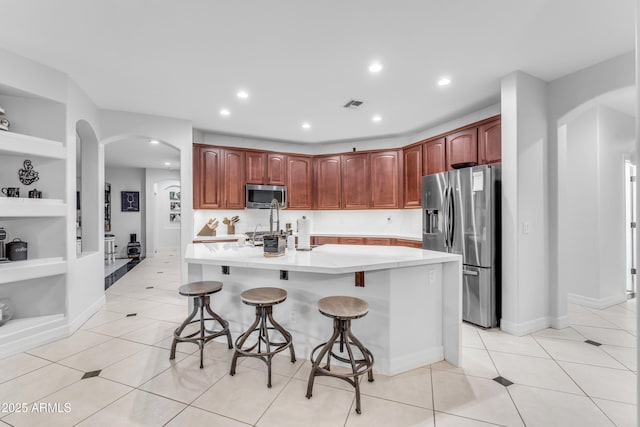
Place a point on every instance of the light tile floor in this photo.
(558, 379)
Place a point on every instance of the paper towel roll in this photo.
(304, 234)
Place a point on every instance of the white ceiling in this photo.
(141, 154)
(302, 60)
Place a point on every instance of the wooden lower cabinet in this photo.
(351, 240)
(326, 240)
(380, 241)
(408, 243)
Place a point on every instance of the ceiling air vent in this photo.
(353, 104)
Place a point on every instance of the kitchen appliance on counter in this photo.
(461, 214)
(260, 196)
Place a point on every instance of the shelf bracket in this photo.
(284, 275)
(225, 270)
(360, 279)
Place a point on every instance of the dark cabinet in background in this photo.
(434, 157)
(276, 169)
(462, 147)
(385, 176)
(233, 179)
(355, 181)
(412, 176)
(300, 182)
(490, 143)
(327, 182)
(207, 170)
(256, 170)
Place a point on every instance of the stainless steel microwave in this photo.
(260, 196)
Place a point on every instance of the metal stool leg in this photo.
(223, 323)
(178, 331)
(326, 347)
(240, 342)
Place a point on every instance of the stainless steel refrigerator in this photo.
(461, 214)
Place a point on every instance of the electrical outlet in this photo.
(432, 277)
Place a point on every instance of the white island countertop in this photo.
(327, 259)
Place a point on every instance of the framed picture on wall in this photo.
(130, 201)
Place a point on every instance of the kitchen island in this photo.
(414, 296)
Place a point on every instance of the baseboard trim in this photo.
(559, 322)
(75, 324)
(524, 328)
(58, 329)
(407, 362)
(599, 303)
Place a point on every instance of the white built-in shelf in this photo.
(25, 207)
(15, 271)
(19, 328)
(19, 144)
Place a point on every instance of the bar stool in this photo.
(200, 292)
(342, 310)
(263, 299)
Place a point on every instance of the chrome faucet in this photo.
(271, 206)
(252, 240)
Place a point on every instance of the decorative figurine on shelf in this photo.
(27, 175)
(4, 123)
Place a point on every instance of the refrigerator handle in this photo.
(445, 217)
(451, 214)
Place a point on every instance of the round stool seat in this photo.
(197, 289)
(343, 307)
(263, 296)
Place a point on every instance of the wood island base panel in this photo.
(414, 296)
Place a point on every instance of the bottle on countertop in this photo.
(291, 241)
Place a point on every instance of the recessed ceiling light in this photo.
(444, 81)
(376, 67)
(224, 112)
(154, 142)
(306, 125)
(167, 163)
(376, 118)
(242, 94)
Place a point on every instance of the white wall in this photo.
(592, 206)
(125, 223)
(525, 302)
(568, 94)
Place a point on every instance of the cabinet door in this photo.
(409, 243)
(462, 147)
(351, 240)
(326, 240)
(255, 167)
(355, 181)
(412, 176)
(300, 182)
(385, 174)
(327, 182)
(490, 143)
(380, 241)
(433, 157)
(233, 181)
(276, 169)
(206, 178)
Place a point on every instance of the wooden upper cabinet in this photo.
(355, 181)
(462, 147)
(327, 182)
(233, 179)
(256, 170)
(276, 169)
(490, 143)
(207, 168)
(434, 157)
(412, 176)
(300, 182)
(385, 175)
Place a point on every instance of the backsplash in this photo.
(393, 222)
